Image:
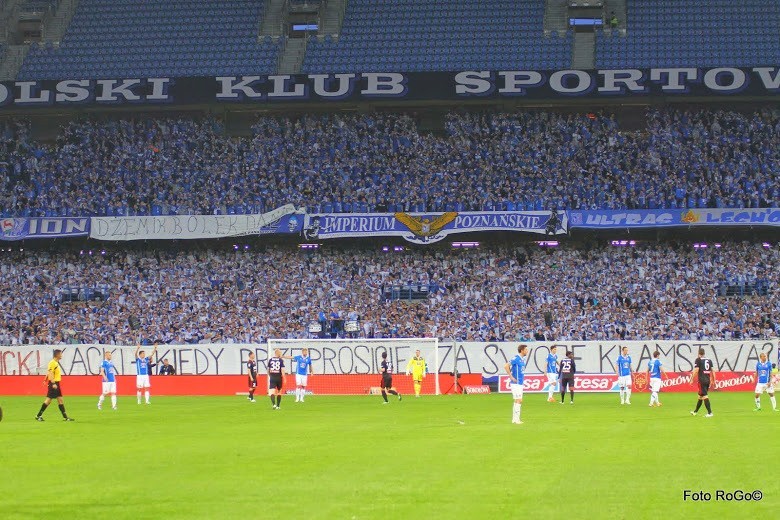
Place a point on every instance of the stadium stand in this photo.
(660, 291)
(408, 35)
(695, 33)
(127, 38)
(364, 163)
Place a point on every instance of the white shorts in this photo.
(142, 381)
(109, 387)
(552, 379)
(655, 384)
(625, 381)
(517, 391)
(301, 380)
(760, 387)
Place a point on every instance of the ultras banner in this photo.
(392, 85)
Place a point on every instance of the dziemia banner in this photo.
(345, 362)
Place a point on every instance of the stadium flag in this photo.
(43, 227)
(189, 227)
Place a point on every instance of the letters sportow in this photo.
(394, 85)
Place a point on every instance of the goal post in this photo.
(351, 366)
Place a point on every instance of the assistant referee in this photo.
(54, 383)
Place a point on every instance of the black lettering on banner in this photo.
(461, 355)
(78, 359)
(182, 360)
(684, 353)
(378, 357)
(315, 354)
(752, 358)
(343, 370)
(607, 356)
(361, 359)
(721, 362)
(574, 348)
(665, 356)
(23, 362)
(261, 355)
(545, 350)
(400, 361)
(491, 371)
(216, 360)
(98, 354)
(201, 362)
(644, 358)
(328, 355)
(243, 357)
(443, 359)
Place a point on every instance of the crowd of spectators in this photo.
(517, 293)
(532, 160)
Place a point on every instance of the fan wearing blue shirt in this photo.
(552, 373)
(302, 366)
(516, 370)
(624, 376)
(656, 371)
(108, 377)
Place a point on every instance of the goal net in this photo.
(352, 366)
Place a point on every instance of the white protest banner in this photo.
(176, 227)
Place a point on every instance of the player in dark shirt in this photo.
(704, 374)
(276, 377)
(387, 378)
(251, 370)
(567, 371)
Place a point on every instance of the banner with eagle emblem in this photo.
(428, 228)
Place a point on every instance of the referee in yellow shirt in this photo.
(417, 368)
(53, 381)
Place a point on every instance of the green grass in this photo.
(353, 458)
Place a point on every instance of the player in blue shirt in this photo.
(108, 376)
(143, 368)
(764, 382)
(656, 372)
(552, 373)
(516, 370)
(623, 370)
(302, 365)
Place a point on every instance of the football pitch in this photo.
(354, 458)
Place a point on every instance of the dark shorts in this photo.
(567, 382)
(252, 383)
(387, 382)
(704, 388)
(275, 382)
(54, 392)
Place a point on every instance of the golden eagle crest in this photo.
(689, 217)
(640, 381)
(423, 227)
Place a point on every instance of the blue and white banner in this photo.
(673, 217)
(427, 228)
(43, 227)
(192, 227)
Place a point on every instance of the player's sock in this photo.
(100, 400)
(758, 402)
(146, 395)
(303, 392)
(628, 394)
(571, 395)
(273, 399)
(43, 409)
(384, 395)
(550, 392)
(417, 388)
(773, 401)
(279, 400)
(138, 395)
(62, 410)
(698, 406)
(622, 396)
(113, 400)
(252, 394)
(515, 412)
(707, 404)
(563, 395)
